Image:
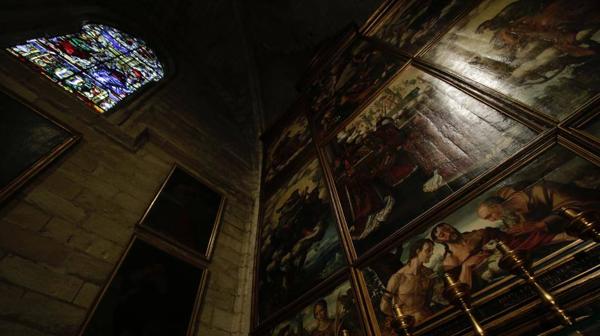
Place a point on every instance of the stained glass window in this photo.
(99, 64)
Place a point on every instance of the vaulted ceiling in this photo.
(240, 58)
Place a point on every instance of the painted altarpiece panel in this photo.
(412, 25)
(522, 210)
(326, 316)
(348, 81)
(288, 144)
(418, 142)
(539, 53)
(299, 244)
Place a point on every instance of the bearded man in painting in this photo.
(530, 213)
(412, 285)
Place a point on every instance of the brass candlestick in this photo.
(580, 225)
(405, 322)
(518, 263)
(458, 293)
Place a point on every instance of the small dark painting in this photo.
(523, 211)
(29, 142)
(186, 212)
(151, 293)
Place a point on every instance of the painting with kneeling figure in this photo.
(523, 211)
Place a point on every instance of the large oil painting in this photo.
(419, 141)
(523, 211)
(299, 241)
(30, 141)
(286, 147)
(326, 316)
(348, 81)
(415, 24)
(541, 53)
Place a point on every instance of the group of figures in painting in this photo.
(522, 211)
(327, 316)
(299, 241)
(400, 141)
(420, 137)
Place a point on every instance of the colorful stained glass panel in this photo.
(100, 64)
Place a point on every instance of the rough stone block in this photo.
(108, 229)
(222, 319)
(38, 278)
(26, 216)
(129, 202)
(49, 314)
(84, 158)
(90, 182)
(95, 246)
(88, 268)
(59, 229)
(60, 184)
(8, 293)
(53, 204)
(87, 295)
(14, 329)
(31, 245)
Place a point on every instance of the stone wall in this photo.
(61, 235)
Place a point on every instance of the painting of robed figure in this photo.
(299, 241)
(286, 146)
(523, 211)
(418, 142)
(326, 316)
(348, 81)
(414, 23)
(541, 53)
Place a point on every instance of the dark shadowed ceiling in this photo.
(284, 35)
(240, 58)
